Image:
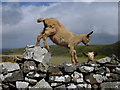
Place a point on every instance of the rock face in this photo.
(36, 71)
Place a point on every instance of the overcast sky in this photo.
(19, 26)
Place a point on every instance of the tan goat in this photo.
(90, 55)
(61, 36)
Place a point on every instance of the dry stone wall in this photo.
(36, 71)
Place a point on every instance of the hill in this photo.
(103, 50)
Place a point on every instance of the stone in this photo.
(53, 70)
(56, 79)
(20, 84)
(95, 86)
(4, 71)
(17, 75)
(100, 70)
(29, 66)
(114, 57)
(5, 87)
(104, 60)
(36, 75)
(71, 86)
(110, 85)
(67, 78)
(47, 58)
(113, 77)
(42, 67)
(31, 81)
(1, 66)
(1, 86)
(61, 87)
(9, 66)
(77, 77)
(116, 70)
(67, 67)
(86, 69)
(3, 77)
(42, 84)
(35, 53)
(85, 85)
(95, 78)
(55, 84)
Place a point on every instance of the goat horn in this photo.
(89, 34)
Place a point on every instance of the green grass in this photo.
(60, 54)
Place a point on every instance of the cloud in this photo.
(20, 27)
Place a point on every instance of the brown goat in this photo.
(90, 55)
(61, 36)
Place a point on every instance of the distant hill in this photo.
(103, 50)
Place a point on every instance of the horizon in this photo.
(60, 46)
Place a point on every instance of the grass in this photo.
(61, 54)
(56, 60)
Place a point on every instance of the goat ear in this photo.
(85, 54)
(89, 34)
(95, 53)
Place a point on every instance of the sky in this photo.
(19, 26)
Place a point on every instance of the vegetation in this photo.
(60, 54)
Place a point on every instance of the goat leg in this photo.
(75, 56)
(38, 39)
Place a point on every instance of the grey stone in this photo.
(3, 77)
(0, 86)
(43, 67)
(85, 85)
(61, 87)
(100, 70)
(56, 79)
(86, 69)
(55, 84)
(59, 79)
(36, 53)
(31, 81)
(67, 67)
(17, 75)
(71, 86)
(1, 69)
(77, 77)
(54, 70)
(104, 60)
(4, 71)
(29, 66)
(42, 84)
(114, 62)
(20, 84)
(110, 85)
(113, 77)
(67, 78)
(9, 66)
(36, 75)
(95, 86)
(47, 58)
(114, 57)
(116, 70)
(95, 78)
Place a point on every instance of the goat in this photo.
(90, 55)
(61, 36)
